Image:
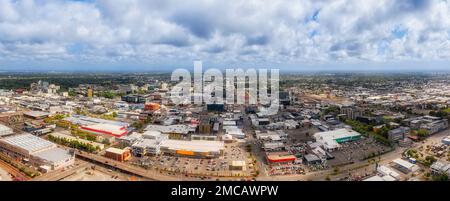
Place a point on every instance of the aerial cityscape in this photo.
(330, 126)
(319, 91)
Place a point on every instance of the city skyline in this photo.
(405, 35)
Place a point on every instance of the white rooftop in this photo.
(179, 128)
(403, 163)
(387, 171)
(374, 178)
(5, 130)
(36, 113)
(54, 155)
(146, 143)
(110, 128)
(337, 134)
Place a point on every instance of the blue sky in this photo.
(162, 35)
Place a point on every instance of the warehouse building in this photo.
(234, 131)
(380, 178)
(440, 167)
(175, 131)
(273, 146)
(398, 134)
(280, 157)
(196, 148)
(41, 153)
(446, 140)
(330, 139)
(404, 166)
(105, 129)
(238, 166)
(36, 114)
(86, 121)
(145, 147)
(383, 170)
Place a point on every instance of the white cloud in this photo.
(294, 32)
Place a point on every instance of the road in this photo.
(4, 175)
(61, 174)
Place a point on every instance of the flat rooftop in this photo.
(54, 155)
(337, 134)
(28, 142)
(5, 130)
(108, 129)
(36, 114)
(115, 150)
(177, 129)
(85, 120)
(194, 145)
(403, 163)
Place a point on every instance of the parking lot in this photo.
(201, 166)
(92, 175)
(351, 152)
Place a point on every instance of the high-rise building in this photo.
(351, 112)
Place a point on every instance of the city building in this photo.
(118, 154)
(351, 112)
(330, 139)
(5, 130)
(280, 157)
(176, 131)
(215, 107)
(194, 148)
(273, 146)
(383, 170)
(238, 166)
(380, 178)
(398, 134)
(311, 159)
(105, 129)
(36, 114)
(86, 121)
(435, 126)
(404, 166)
(234, 131)
(440, 167)
(133, 99)
(205, 125)
(446, 140)
(145, 147)
(41, 153)
(152, 106)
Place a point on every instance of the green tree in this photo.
(440, 177)
(422, 133)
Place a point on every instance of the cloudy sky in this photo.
(160, 35)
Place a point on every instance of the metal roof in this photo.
(28, 142)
